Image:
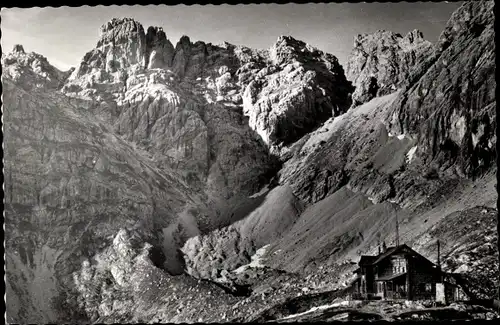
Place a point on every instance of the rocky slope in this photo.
(251, 161)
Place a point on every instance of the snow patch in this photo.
(411, 154)
(208, 98)
(401, 137)
(323, 307)
(464, 268)
(256, 260)
(263, 191)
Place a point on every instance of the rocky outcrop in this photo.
(123, 283)
(123, 45)
(382, 62)
(302, 88)
(159, 50)
(212, 255)
(31, 70)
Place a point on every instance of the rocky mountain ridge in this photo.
(32, 69)
(250, 160)
(291, 82)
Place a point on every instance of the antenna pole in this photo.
(439, 253)
(439, 260)
(397, 230)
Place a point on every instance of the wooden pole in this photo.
(439, 259)
(397, 230)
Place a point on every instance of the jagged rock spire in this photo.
(18, 48)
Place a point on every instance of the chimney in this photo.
(384, 247)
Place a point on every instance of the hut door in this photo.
(389, 289)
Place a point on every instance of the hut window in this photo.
(428, 287)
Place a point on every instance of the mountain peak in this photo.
(18, 48)
(366, 71)
(415, 35)
(288, 40)
(119, 31)
(127, 23)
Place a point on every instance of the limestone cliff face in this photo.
(71, 183)
(285, 91)
(450, 103)
(189, 107)
(166, 101)
(302, 88)
(381, 62)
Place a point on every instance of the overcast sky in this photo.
(65, 34)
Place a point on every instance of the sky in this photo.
(65, 34)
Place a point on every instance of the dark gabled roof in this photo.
(388, 252)
(391, 277)
(393, 250)
(366, 260)
(374, 260)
